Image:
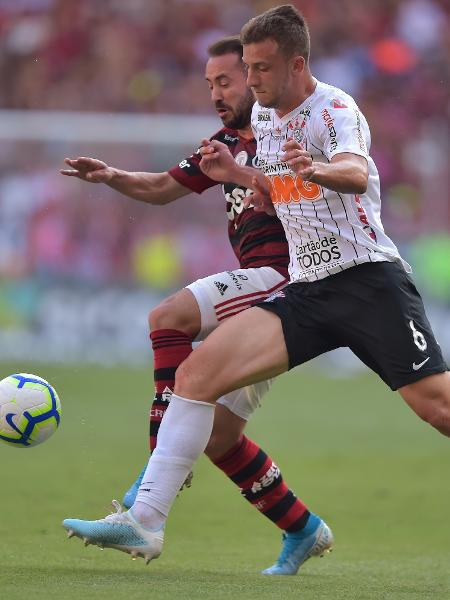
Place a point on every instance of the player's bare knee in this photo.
(435, 410)
(190, 382)
(161, 317)
(439, 416)
(167, 315)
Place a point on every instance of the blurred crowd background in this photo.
(77, 258)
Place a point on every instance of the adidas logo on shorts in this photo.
(222, 287)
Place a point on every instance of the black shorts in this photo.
(374, 309)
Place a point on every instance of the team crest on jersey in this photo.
(298, 134)
(336, 103)
(241, 158)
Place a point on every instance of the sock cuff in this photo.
(177, 461)
(198, 402)
(157, 334)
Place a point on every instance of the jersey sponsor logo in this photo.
(361, 141)
(329, 122)
(256, 161)
(222, 287)
(241, 158)
(235, 201)
(273, 168)
(272, 473)
(229, 138)
(157, 412)
(285, 189)
(319, 255)
(263, 115)
(336, 103)
(363, 219)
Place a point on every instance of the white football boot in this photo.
(120, 531)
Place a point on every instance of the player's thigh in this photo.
(225, 294)
(179, 311)
(247, 348)
(386, 325)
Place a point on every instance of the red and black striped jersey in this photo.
(257, 239)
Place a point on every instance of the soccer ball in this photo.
(30, 410)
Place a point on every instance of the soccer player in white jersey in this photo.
(260, 246)
(349, 285)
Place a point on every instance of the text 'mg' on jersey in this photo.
(257, 239)
(327, 231)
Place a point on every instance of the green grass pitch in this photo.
(350, 448)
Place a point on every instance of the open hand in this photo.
(88, 169)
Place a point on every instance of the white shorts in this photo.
(226, 294)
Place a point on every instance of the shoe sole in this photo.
(133, 551)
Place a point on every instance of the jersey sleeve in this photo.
(189, 174)
(341, 128)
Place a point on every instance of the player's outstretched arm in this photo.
(154, 188)
(346, 173)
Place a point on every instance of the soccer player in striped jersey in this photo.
(191, 314)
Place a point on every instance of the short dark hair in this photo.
(226, 45)
(285, 25)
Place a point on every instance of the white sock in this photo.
(182, 437)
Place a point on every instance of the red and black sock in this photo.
(170, 347)
(263, 486)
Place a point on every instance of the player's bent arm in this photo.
(346, 173)
(153, 188)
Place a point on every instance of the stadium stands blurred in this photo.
(79, 265)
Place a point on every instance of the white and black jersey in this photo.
(327, 231)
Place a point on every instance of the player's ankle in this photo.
(147, 516)
(310, 527)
